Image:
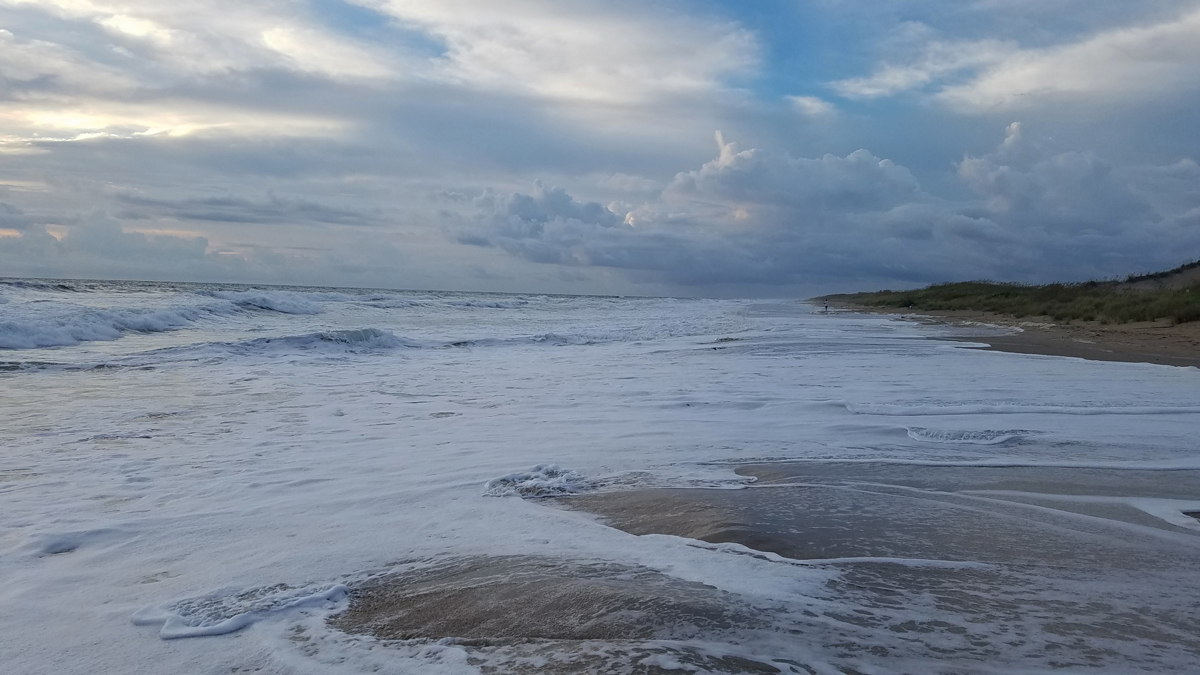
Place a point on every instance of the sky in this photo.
(698, 148)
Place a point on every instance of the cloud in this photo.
(938, 59)
(766, 219)
(97, 246)
(1083, 216)
(595, 52)
(390, 142)
(190, 37)
(77, 70)
(230, 209)
(546, 226)
(1142, 62)
(1127, 63)
(811, 106)
(100, 246)
(13, 219)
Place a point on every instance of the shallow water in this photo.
(235, 463)
(1017, 565)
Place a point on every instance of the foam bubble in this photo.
(543, 480)
(224, 612)
(982, 437)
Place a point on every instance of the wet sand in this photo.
(827, 510)
(1065, 579)
(497, 600)
(527, 614)
(1146, 342)
(935, 569)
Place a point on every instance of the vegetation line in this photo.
(1173, 295)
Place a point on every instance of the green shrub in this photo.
(1107, 302)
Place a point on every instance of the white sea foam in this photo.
(543, 480)
(389, 301)
(511, 303)
(226, 612)
(741, 549)
(349, 341)
(66, 325)
(547, 339)
(355, 339)
(292, 453)
(973, 437)
(287, 302)
(1011, 409)
(1173, 511)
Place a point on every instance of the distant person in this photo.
(826, 306)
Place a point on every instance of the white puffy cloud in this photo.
(774, 221)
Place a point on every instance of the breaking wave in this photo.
(349, 341)
(39, 285)
(39, 324)
(85, 324)
(287, 302)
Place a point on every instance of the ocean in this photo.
(194, 478)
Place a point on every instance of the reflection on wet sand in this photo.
(533, 614)
(1078, 570)
(932, 569)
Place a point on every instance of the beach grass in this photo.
(1102, 301)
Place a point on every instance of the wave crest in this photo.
(349, 340)
(286, 302)
(80, 324)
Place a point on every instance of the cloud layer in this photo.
(757, 217)
(537, 145)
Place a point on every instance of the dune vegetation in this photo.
(1173, 295)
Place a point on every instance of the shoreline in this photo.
(964, 556)
(1146, 342)
(808, 513)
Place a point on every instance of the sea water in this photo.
(193, 478)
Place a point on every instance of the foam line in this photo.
(1013, 409)
(176, 625)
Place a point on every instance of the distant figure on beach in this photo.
(826, 306)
